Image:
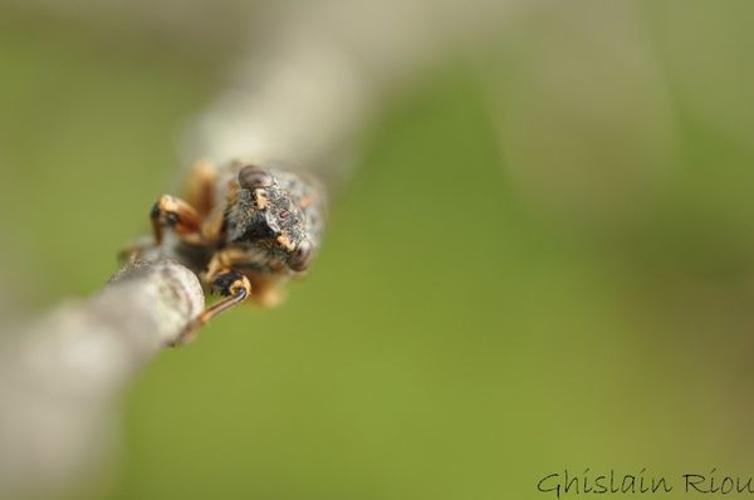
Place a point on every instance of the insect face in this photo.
(239, 225)
(268, 213)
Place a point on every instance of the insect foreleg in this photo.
(234, 286)
(175, 213)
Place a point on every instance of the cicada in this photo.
(243, 229)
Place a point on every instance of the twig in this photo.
(59, 376)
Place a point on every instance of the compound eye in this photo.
(251, 177)
(302, 256)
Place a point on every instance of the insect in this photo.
(244, 230)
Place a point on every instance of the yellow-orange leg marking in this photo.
(266, 289)
(222, 261)
(236, 288)
(175, 213)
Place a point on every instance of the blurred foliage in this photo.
(458, 338)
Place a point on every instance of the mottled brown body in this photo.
(243, 229)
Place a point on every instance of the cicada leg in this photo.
(234, 286)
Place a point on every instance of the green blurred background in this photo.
(544, 260)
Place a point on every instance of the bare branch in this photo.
(58, 376)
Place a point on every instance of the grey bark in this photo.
(59, 374)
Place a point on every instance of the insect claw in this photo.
(224, 282)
